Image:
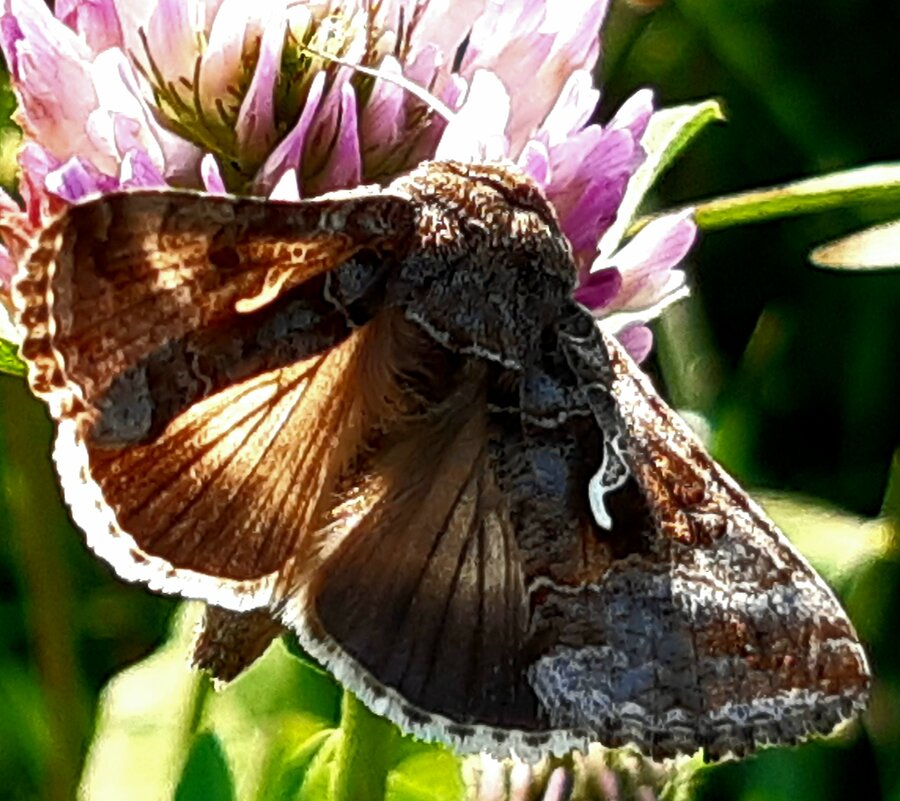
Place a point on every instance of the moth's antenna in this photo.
(398, 80)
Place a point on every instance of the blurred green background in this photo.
(794, 368)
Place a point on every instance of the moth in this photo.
(378, 418)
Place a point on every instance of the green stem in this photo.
(890, 508)
(201, 691)
(36, 524)
(365, 755)
(873, 183)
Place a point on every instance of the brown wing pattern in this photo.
(215, 505)
(709, 630)
(425, 591)
(115, 280)
(202, 381)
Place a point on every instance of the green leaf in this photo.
(837, 190)
(685, 781)
(890, 507)
(9, 359)
(373, 759)
(144, 724)
(669, 132)
(367, 751)
(875, 248)
(277, 706)
(428, 773)
(282, 731)
(205, 776)
(288, 766)
(269, 724)
(317, 783)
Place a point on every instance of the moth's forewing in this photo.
(132, 283)
(744, 644)
(188, 348)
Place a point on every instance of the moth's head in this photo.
(490, 208)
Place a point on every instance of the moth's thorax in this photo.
(488, 267)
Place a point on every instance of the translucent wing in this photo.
(419, 604)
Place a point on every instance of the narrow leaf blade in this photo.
(669, 132)
(876, 248)
(875, 182)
